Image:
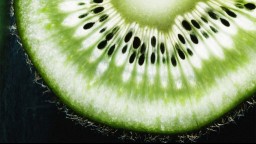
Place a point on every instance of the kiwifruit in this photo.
(154, 66)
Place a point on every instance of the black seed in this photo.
(173, 60)
(196, 24)
(190, 52)
(214, 29)
(225, 22)
(81, 3)
(98, 10)
(116, 29)
(204, 20)
(141, 59)
(97, 1)
(111, 50)
(181, 54)
(109, 36)
(128, 37)
(213, 15)
(205, 35)
(229, 12)
(238, 5)
(89, 25)
(136, 42)
(153, 41)
(103, 18)
(153, 58)
(82, 16)
(162, 48)
(250, 6)
(186, 25)
(102, 30)
(102, 44)
(143, 48)
(182, 39)
(124, 49)
(177, 46)
(194, 39)
(164, 60)
(132, 57)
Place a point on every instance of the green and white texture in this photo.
(162, 66)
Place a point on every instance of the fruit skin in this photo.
(59, 92)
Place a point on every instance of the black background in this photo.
(27, 116)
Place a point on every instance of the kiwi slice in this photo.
(154, 66)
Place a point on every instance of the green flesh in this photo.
(147, 12)
(167, 93)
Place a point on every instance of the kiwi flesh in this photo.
(160, 67)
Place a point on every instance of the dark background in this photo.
(27, 116)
